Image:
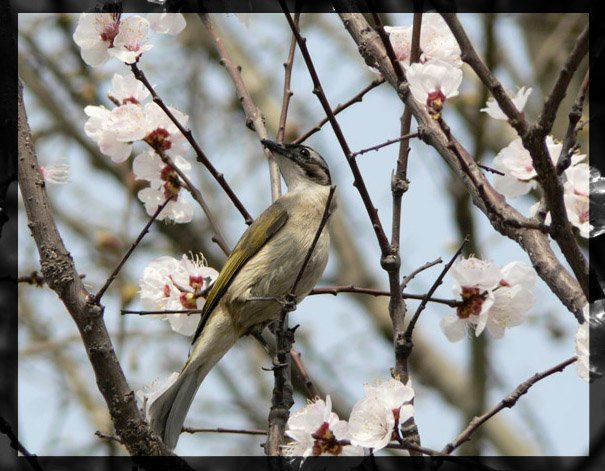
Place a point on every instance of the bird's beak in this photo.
(278, 148)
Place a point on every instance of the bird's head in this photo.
(300, 165)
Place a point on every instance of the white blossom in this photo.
(317, 431)
(512, 298)
(582, 342)
(161, 132)
(170, 284)
(179, 209)
(401, 41)
(130, 42)
(577, 207)
(375, 419)
(128, 89)
(167, 23)
(517, 165)
(149, 166)
(519, 100)
(492, 298)
(115, 131)
(437, 41)
(432, 82)
(164, 182)
(95, 35)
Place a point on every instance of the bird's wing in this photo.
(257, 235)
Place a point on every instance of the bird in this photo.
(258, 273)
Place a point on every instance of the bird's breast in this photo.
(271, 272)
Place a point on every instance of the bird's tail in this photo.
(167, 413)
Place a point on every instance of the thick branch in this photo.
(533, 136)
(504, 218)
(60, 273)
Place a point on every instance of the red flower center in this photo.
(111, 30)
(472, 300)
(434, 103)
(325, 441)
(187, 300)
(158, 139)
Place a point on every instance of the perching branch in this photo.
(282, 399)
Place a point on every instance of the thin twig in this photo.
(406, 279)
(490, 169)
(558, 91)
(318, 91)
(160, 311)
(304, 375)
(287, 91)
(569, 142)
(324, 219)
(134, 245)
(201, 157)
(254, 118)
(334, 290)
(33, 279)
(384, 144)
(218, 237)
(224, 430)
(104, 436)
(438, 281)
(356, 99)
(509, 401)
(7, 430)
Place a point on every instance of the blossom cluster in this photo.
(438, 74)
(490, 297)
(374, 422)
(519, 175)
(116, 130)
(174, 285)
(102, 36)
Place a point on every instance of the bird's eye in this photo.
(304, 152)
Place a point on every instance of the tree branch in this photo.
(254, 118)
(201, 157)
(509, 401)
(504, 218)
(60, 273)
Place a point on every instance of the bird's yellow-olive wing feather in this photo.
(257, 235)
